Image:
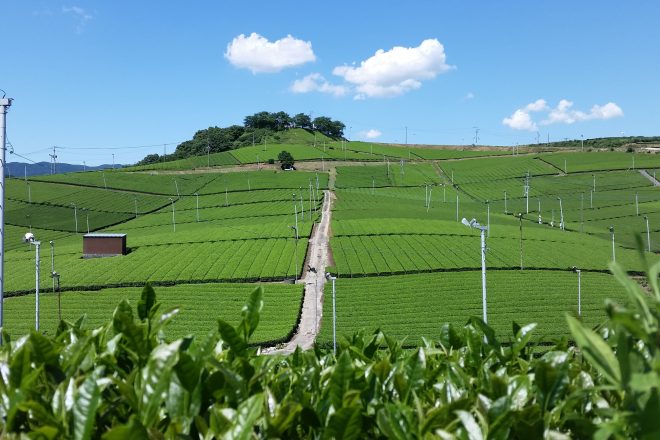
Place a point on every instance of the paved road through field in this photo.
(650, 177)
(314, 279)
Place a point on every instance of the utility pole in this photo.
(54, 158)
(526, 193)
(521, 240)
(113, 161)
(476, 135)
(582, 141)
(5, 103)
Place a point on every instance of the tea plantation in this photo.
(404, 261)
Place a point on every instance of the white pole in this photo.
(506, 211)
(648, 233)
(173, 219)
(540, 219)
(75, 215)
(87, 215)
(52, 268)
(527, 193)
(488, 216)
(613, 254)
(334, 318)
(295, 213)
(302, 207)
(591, 198)
(594, 189)
(429, 204)
(29, 193)
(177, 188)
(561, 215)
(316, 306)
(37, 245)
(565, 168)
(579, 272)
(637, 203)
(5, 103)
(197, 205)
(483, 273)
(226, 199)
(295, 259)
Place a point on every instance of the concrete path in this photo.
(314, 279)
(650, 177)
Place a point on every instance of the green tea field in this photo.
(403, 259)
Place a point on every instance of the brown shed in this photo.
(103, 245)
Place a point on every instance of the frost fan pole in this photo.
(5, 103)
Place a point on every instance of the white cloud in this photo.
(371, 134)
(257, 54)
(315, 82)
(537, 106)
(80, 14)
(396, 71)
(469, 96)
(563, 113)
(520, 120)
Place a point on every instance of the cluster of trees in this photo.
(254, 129)
(282, 121)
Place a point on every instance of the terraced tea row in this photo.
(415, 306)
(201, 305)
(393, 174)
(374, 255)
(238, 260)
(188, 184)
(592, 161)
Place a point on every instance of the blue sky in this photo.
(103, 77)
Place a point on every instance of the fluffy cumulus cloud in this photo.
(520, 120)
(371, 134)
(259, 55)
(563, 113)
(315, 82)
(396, 71)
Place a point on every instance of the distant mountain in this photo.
(19, 169)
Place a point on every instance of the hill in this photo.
(22, 169)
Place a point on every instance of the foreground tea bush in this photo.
(123, 380)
